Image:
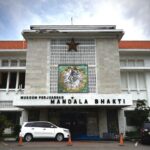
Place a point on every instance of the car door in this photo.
(49, 130)
(37, 130)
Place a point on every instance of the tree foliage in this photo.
(4, 123)
(140, 114)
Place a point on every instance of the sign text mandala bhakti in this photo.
(74, 100)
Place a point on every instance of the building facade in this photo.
(81, 77)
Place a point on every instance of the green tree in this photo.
(4, 123)
(140, 114)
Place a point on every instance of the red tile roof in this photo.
(122, 44)
(13, 44)
(134, 44)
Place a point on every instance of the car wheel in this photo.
(59, 137)
(28, 137)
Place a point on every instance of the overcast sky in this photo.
(133, 16)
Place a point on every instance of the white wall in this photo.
(136, 81)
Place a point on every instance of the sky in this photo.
(133, 16)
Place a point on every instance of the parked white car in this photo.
(42, 129)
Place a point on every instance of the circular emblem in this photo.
(73, 79)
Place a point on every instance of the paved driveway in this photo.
(40, 145)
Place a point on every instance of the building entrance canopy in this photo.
(49, 100)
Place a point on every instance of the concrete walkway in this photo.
(38, 145)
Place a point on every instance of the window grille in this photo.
(5, 63)
(6, 104)
(85, 55)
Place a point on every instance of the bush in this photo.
(4, 123)
(133, 135)
(140, 114)
(16, 129)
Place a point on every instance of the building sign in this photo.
(74, 100)
(72, 79)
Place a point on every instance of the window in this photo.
(49, 125)
(132, 81)
(140, 63)
(12, 81)
(44, 125)
(29, 125)
(122, 63)
(22, 63)
(124, 83)
(3, 80)
(40, 124)
(131, 63)
(13, 63)
(5, 63)
(141, 80)
(21, 84)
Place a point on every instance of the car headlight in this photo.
(65, 130)
(145, 130)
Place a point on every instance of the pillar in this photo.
(92, 124)
(148, 87)
(121, 121)
(24, 116)
(102, 122)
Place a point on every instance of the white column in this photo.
(147, 79)
(8, 80)
(148, 87)
(24, 117)
(17, 80)
(128, 82)
(121, 121)
(102, 122)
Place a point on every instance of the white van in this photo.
(43, 129)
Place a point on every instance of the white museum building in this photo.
(81, 77)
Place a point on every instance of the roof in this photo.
(134, 44)
(122, 44)
(13, 44)
(72, 27)
(47, 31)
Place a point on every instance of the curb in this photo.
(9, 139)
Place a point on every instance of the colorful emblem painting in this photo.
(73, 79)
